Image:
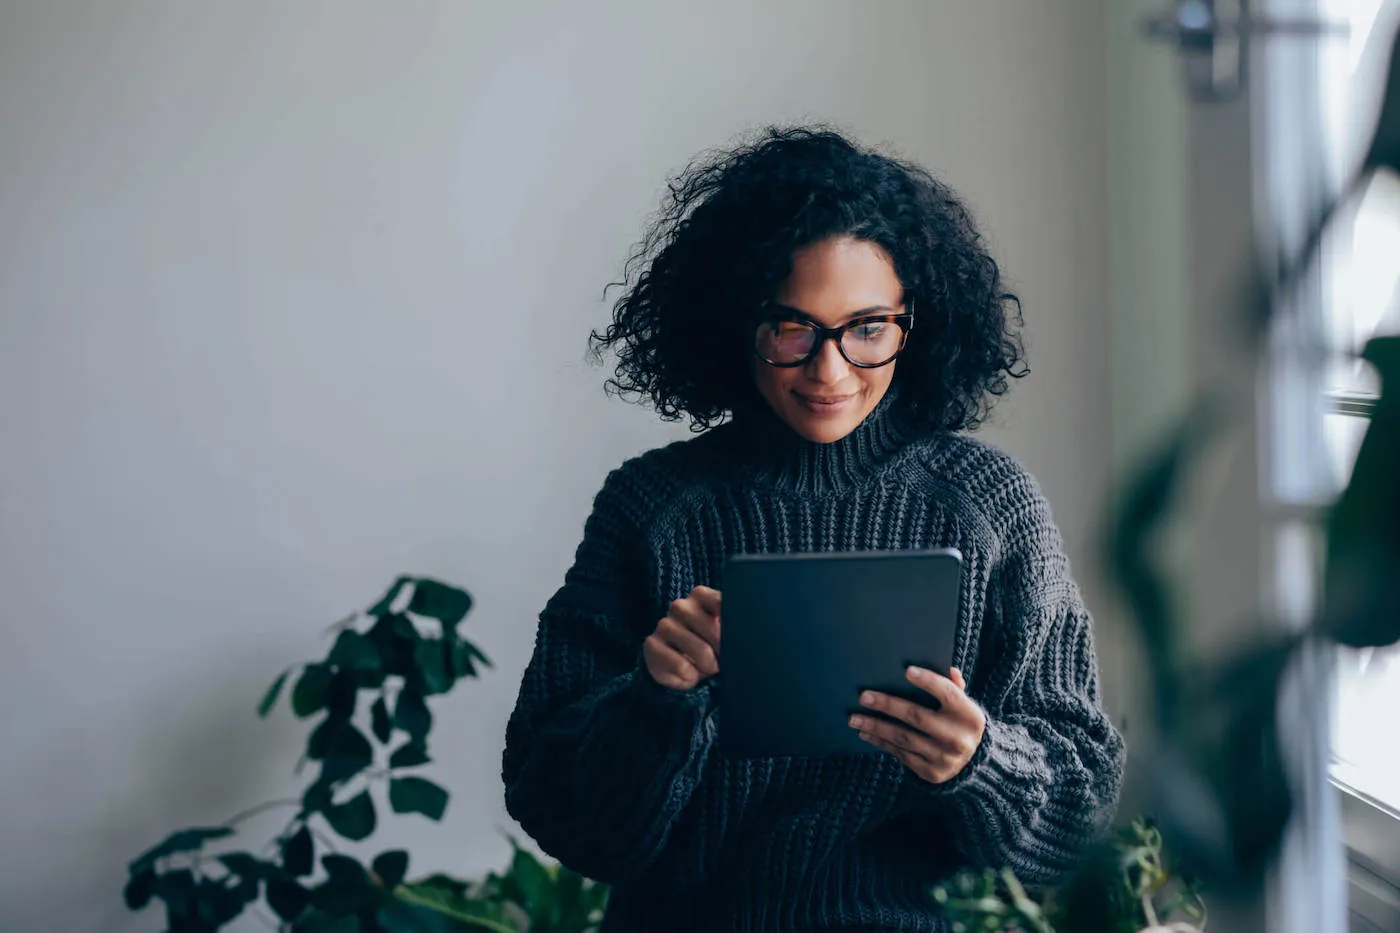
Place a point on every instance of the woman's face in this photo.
(832, 283)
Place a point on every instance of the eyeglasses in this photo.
(866, 343)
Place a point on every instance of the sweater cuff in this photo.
(1008, 774)
(648, 691)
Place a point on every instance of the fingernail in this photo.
(857, 722)
(866, 738)
(918, 672)
(867, 699)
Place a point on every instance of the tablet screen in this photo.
(804, 634)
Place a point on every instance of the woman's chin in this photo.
(821, 429)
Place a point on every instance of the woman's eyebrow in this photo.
(798, 312)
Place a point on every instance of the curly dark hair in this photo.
(723, 243)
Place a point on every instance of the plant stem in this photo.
(1148, 911)
(260, 808)
(325, 840)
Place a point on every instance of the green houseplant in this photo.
(1128, 885)
(382, 667)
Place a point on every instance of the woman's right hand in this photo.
(684, 649)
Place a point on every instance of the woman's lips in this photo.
(823, 404)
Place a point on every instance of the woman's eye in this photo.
(872, 331)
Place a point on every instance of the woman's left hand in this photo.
(934, 744)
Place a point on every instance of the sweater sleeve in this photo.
(1044, 782)
(600, 760)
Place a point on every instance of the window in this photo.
(1360, 292)
(1318, 107)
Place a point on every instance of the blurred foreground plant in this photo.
(1128, 886)
(1212, 751)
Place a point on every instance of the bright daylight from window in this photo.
(1361, 274)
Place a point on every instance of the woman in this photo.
(828, 317)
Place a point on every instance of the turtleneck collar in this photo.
(776, 451)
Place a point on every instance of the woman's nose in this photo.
(828, 366)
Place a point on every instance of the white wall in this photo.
(293, 297)
(1149, 170)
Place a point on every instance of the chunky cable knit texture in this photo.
(622, 780)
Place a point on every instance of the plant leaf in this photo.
(343, 693)
(411, 714)
(342, 869)
(317, 797)
(270, 698)
(429, 658)
(299, 852)
(466, 657)
(1384, 149)
(535, 887)
(569, 905)
(139, 888)
(391, 866)
(437, 600)
(459, 660)
(456, 905)
(246, 891)
(369, 679)
(353, 651)
(380, 723)
(453, 886)
(176, 888)
(312, 690)
(1147, 504)
(395, 637)
(186, 840)
(287, 898)
(475, 653)
(1362, 605)
(216, 905)
(409, 754)
(382, 607)
(348, 888)
(354, 819)
(320, 738)
(417, 795)
(396, 915)
(348, 753)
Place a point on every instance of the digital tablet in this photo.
(803, 634)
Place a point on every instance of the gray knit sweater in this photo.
(622, 779)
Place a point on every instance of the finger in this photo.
(915, 743)
(668, 667)
(916, 763)
(708, 598)
(703, 623)
(951, 698)
(934, 724)
(692, 646)
(957, 677)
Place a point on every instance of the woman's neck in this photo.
(778, 452)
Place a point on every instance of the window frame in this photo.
(1296, 179)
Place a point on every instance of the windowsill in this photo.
(1371, 832)
(1356, 404)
